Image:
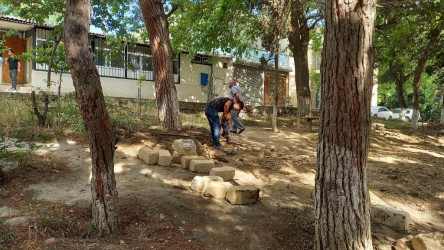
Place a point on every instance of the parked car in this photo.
(381, 111)
(408, 116)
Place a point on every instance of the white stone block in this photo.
(177, 157)
(201, 166)
(148, 155)
(227, 173)
(218, 190)
(302, 189)
(393, 218)
(184, 150)
(185, 161)
(241, 195)
(164, 157)
(200, 183)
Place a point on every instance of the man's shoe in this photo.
(14, 91)
(240, 131)
(234, 131)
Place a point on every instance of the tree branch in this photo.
(175, 7)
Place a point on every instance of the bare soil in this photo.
(158, 210)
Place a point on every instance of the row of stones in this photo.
(216, 186)
(188, 159)
(393, 218)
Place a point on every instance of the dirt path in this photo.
(403, 173)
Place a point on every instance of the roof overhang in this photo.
(7, 25)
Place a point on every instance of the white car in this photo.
(408, 116)
(380, 111)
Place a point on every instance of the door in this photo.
(269, 89)
(18, 45)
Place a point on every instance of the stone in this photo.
(200, 183)
(177, 157)
(242, 195)
(164, 157)
(400, 245)
(226, 172)
(18, 221)
(6, 211)
(379, 126)
(418, 244)
(51, 241)
(185, 161)
(148, 155)
(217, 189)
(390, 217)
(201, 166)
(189, 147)
(428, 241)
(302, 189)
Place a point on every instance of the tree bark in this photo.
(418, 72)
(342, 203)
(275, 92)
(42, 116)
(101, 132)
(400, 79)
(299, 38)
(442, 108)
(276, 71)
(157, 25)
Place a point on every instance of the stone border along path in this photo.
(218, 185)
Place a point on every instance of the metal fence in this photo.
(129, 62)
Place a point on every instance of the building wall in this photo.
(189, 89)
(251, 81)
(116, 87)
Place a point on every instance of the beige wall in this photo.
(189, 89)
(111, 86)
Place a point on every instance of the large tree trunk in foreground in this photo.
(342, 199)
(156, 22)
(418, 73)
(299, 38)
(91, 102)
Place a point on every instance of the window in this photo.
(225, 65)
(134, 62)
(197, 59)
(206, 60)
(147, 63)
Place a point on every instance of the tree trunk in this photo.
(418, 73)
(342, 203)
(299, 38)
(156, 22)
(276, 75)
(442, 108)
(101, 132)
(42, 116)
(275, 93)
(400, 79)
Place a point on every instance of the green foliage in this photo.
(402, 31)
(316, 78)
(429, 103)
(227, 26)
(317, 39)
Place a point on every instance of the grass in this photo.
(6, 237)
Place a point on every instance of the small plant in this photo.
(6, 237)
